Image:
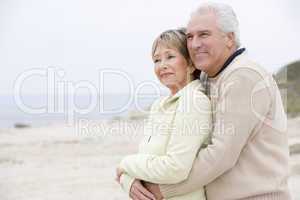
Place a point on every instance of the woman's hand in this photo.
(119, 173)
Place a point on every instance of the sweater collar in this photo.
(229, 60)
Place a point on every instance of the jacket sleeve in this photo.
(126, 182)
(192, 124)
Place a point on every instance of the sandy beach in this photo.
(78, 162)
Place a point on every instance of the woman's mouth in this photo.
(164, 75)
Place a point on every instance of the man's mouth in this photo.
(198, 54)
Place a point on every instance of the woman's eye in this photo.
(189, 37)
(170, 56)
(156, 60)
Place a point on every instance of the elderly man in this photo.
(247, 157)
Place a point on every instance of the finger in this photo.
(134, 197)
(142, 194)
(139, 195)
(145, 191)
(118, 176)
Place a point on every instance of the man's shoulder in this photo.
(247, 77)
(245, 68)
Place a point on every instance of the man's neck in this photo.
(228, 59)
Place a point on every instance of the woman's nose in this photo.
(163, 64)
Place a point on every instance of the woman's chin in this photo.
(168, 84)
(171, 85)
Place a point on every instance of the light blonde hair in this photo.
(176, 39)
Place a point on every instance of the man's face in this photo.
(207, 44)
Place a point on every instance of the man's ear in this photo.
(230, 41)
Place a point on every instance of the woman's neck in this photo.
(174, 89)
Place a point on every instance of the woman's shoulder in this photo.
(195, 90)
(158, 102)
(194, 97)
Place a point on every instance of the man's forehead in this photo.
(201, 22)
(196, 28)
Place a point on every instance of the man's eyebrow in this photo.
(199, 31)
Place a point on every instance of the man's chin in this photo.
(201, 66)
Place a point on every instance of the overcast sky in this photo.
(82, 37)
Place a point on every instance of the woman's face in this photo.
(171, 67)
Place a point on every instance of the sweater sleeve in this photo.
(242, 106)
(191, 129)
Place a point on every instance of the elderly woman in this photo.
(178, 125)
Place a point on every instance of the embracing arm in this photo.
(238, 112)
(190, 131)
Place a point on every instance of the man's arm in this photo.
(241, 107)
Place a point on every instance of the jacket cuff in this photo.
(126, 183)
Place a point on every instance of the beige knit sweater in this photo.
(248, 155)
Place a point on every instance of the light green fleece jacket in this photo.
(178, 125)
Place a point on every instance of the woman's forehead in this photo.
(164, 48)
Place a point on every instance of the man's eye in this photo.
(203, 35)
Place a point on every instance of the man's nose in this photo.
(195, 43)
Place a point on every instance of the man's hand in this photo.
(139, 192)
(154, 189)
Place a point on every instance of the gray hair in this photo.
(226, 18)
